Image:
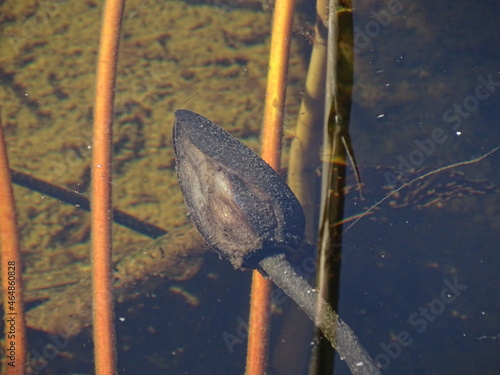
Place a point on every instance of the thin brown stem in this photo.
(103, 304)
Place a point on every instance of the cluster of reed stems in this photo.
(101, 202)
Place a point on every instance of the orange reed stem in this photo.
(258, 335)
(12, 282)
(272, 131)
(103, 318)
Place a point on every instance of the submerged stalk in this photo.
(324, 317)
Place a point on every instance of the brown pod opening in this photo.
(241, 206)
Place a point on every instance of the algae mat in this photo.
(211, 58)
(215, 56)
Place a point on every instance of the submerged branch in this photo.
(337, 331)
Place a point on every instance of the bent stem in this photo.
(304, 158)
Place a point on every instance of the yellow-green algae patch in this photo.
(213, 57)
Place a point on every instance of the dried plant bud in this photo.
(241, 206)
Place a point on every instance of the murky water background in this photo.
(421, 97)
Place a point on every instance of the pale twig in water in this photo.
(406, 184)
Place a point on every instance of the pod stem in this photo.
(324, 317)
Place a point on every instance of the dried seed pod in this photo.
(241, 206)
(246, 212)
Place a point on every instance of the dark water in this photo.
(419, 285)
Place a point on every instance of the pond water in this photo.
(418, 279)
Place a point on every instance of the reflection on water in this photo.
(425, 94)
